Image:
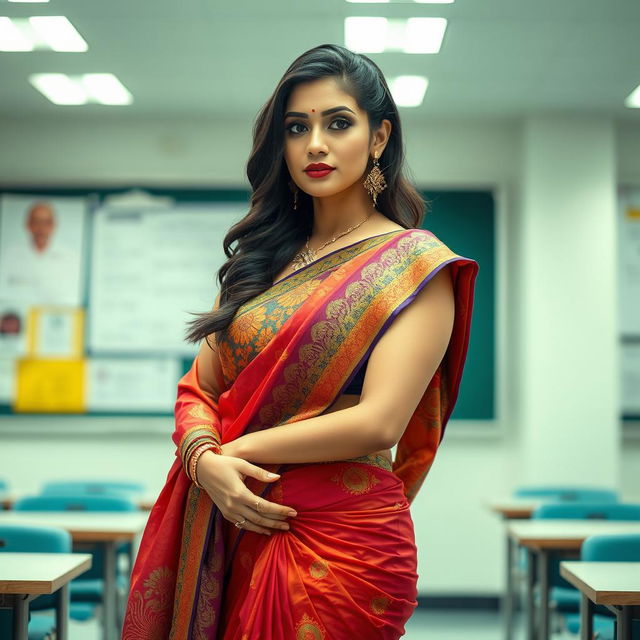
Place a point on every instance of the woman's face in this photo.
(339, 139)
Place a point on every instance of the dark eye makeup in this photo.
(290, 126)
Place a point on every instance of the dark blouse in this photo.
(355, 386)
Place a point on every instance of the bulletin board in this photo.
(629, 299)
(113, 351)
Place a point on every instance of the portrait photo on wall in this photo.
(42, 249)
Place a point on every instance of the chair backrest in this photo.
(588, 511)
(92, 487)
(611, 548)
(19, 538)
(30, 538)
(76, 502)
(568, 493)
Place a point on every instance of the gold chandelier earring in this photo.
(375, 182)
(295, 190)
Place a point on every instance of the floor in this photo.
(424, 625)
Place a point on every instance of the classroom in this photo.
(397, 265)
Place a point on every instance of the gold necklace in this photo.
(307, 255)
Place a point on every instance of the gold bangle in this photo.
(193, 461)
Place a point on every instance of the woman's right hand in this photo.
(222, 477)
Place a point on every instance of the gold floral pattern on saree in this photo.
(355, 480)
(198, 411)
(380, 604)
(318, 569)
(209, 589)
(309, 629)
(248, 335)
(151, 609)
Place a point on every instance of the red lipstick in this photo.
(318, 170)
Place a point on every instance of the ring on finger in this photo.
(240, 523)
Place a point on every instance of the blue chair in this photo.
(603, 548)
(563, 494)
(92, 487)
(568, 493)
(20, 539)
(87, 589)
(74, 502)
(563, 596)
(4, 487)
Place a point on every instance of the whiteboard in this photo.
(150, 267)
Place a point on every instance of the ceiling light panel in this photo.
(12, 38)
(59, 88)
(424, 35)
(105, 88)
(62, 89)
(408, 91)
(58, 33)
(375, 34)
(365, 35)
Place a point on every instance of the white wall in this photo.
(460, 542)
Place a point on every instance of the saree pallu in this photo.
(348, 561)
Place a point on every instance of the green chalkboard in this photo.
(464, 220)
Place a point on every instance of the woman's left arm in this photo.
(399, 370)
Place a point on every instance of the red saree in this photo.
(347, 565)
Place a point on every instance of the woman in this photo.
(327, 258)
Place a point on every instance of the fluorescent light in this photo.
(12, 38)
(59, 88)
(28, 0)
(408, 91)
(633, 99)
(365, 35)
(58, 33)
(62, 89)
(106, 89)
(424, 35)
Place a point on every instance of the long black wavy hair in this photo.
(270, 235)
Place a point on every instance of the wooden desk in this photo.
(615, 585)
(511, 508)
(544, 539)
(23, 576)
(105, 528)
(514, 508)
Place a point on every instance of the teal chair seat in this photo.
(28, 539)
(607, 548)
(87, 589)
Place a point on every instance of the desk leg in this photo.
(530, 604)
(623, 617)
(62, 612)
(109, 603)
(507, 602)
(543, 581)
(586, 618)
(20, 617)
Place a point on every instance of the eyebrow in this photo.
(299, 114)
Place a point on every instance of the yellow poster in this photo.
(50, 386)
